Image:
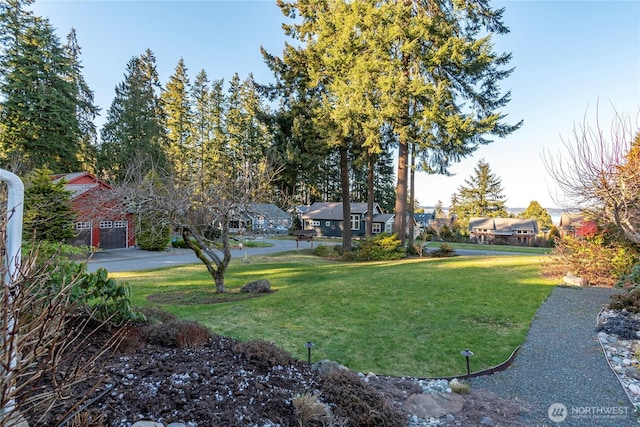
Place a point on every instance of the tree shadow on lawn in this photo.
(200, 297)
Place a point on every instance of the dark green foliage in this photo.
(48, 215)
(351, 398)
(134, 131)
(380, 247)
(153, 233)
(108, 301)
(39, 97)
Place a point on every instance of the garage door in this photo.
(113, 234)
(83, 234)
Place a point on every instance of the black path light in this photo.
(467, 354)
(309, 345)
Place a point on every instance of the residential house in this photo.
(326, 219)
(503, 231)
(261, 217)
(101, 221)
(576, 225)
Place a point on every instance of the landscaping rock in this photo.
(434, 404)
(571, 280)
(259, 286)
(326, 366)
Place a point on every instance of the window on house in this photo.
(120, 224)
(315, 223)
(376, 228)
(355, 222)
(106, 224)
(327, 224)
(83, 225)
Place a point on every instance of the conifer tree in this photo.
(47, 209)
(86, 110)
(425, 68)
(482, 196)
(176, 101)
(39, 127)
(135, 125)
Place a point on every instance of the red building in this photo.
(101, 221)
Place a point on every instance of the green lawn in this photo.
(410, 317)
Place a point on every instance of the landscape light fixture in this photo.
(309, 344)
(467, 354)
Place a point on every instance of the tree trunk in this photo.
(215, 266)
(346, 200)
(412, 195)
(400, 220)
(370, 197)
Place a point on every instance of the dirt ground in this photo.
(221, 384)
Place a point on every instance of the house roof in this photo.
(503, 225)
(383, 217)
(568, 219)
(333, 210)
(268, 210)
(78, 183)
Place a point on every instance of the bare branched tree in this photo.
(201, 206)
(599, 173)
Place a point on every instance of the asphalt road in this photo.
(133, 259)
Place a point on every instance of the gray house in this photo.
(261, 217)
(503, 231)
(326, 219)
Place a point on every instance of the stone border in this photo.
(604, 353)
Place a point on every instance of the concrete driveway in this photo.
(134, 259)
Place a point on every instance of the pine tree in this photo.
(39, 98)
(134, 130)
(482, 196)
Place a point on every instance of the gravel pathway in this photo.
(562, 364)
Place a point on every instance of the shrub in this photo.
(178, 333)
(265, 353)
(443, 251)
(310, 411)
(352, 398)
(629, 301)
(108, 300)
(329, 251)
(381, 247)
(597, 259)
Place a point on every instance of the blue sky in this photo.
(570, 58)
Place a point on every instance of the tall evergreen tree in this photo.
(209, 106)
(482, 196)
(86, 110)
(176, 101)
(39, 127)
(135, 121)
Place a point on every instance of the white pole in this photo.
(15, 201)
